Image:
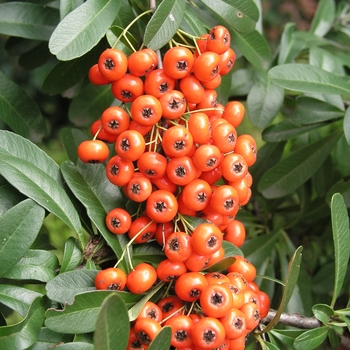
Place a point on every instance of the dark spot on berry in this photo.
(124, 144)
(237, 168)
(115, 222)
(212, 241)
(228, 204)
(209, 336)
(109, 64)
(113, 286)
(216, 299)
(160, 206)
(181, 65)
(127, 94)
(147, 113)
(180, 171)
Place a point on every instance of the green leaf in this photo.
(323, 312)
(286, 130)
(26, 20)
(162, 340)
(286, 176)
(151, 252)
(286, 336)
(346, 125)
(230, 249)
(241, 82)
(269, 346)
(324, 17)
(116, 38)
(83, 28)
(19, 227)
(311, 339)
(341, 238)
(76, 346)
(307, 78)
(64, 287)
(17, 298)
(241, 15)
(164, 23)
(221, 265)
(254, 47)
(71, 139)
(36, 57)
(112, 332)
(67, 6)
(38, 265)
(89, 104)
(47, 339)
(72, 255)
(81, 317)
(192, 23)
(9, 196)
(25, 333)
(326, 60)
(19, 111)
(93, 189)
(264, 101)
(32, 181)
(291, 282)
(311, 110)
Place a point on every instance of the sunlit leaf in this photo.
(162, 340)
(323, 312)
(323, 19)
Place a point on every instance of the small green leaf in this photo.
(72, 255)
(324, 17)
(151, 252)
(19, 111)
(286, 336)
(83, 28)
(346, 125)
(25, 333)
(27, 20)
(193, 23)
(264, 101)
(286, 176)
(162, 340)
(341, 238)
(81, 316)
(65, 286)
(48, 338)
(19, 227)
(221, 265)
(307, 78)
(112, 332)
(311, 339)
(241, 15)
(323, 312)
(269, 346)
(164, 23)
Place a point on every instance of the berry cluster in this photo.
(178, 154)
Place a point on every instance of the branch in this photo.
(299, 321)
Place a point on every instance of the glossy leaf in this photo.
(17, 298)
(65, 286)
(9, 196)
(27, 20)
(90, 20)
(89, 104)
(254, 47)
(81, 317)
(269, 346)
(310, 110)
(286, 176)
(72, 255)
(346, 125)
(221, 265)
(307, 78)
(48, 338)
(286, 336)
(150, 252)
(164, 23)
(112, 332)
(162, 340)
(323, 312)
(23, 334)
(264, 101)
(286, 130)
(323, 19)
(93, 189)
(19, 111)
(38, 265)
(341, 238)
(240, 15)
(326, 60)
(311, 339)
(19, 227)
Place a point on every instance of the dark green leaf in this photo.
(38, 265)
(264, 101)
(222, 265)
(164, 23)
(310, 110)
(65, 286)
(311, 339)
(230, 249)
(91, 186)
(47, 339)
(71, 139)
(346, 125)
(307, 78)
(287, 337)
(242, 81)
(36, 57)
(112, 332)
(82, 315)
(150, 252)
(76, 346)
(19, 227)
(269, 346)
(118, 41)
(25, 333)
(72, 255)
(241, 15)
(89, 104)
(323, 312)
(162, 340)
(254, 47)
(83, 28)
(341, 187)
(9, 196)
(192, 23)
(17, 298)
(323, 19)
(19, 111)
(286, 176)
(286, 130)
(16, 46)
(341, 238)
(26, 20)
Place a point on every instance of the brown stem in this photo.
(153, 6)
